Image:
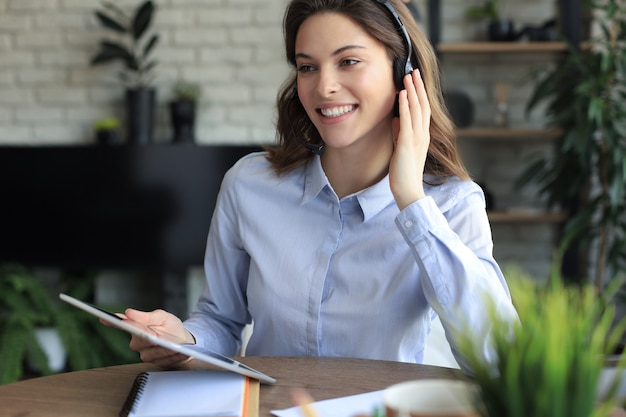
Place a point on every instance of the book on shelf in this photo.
(192, 393)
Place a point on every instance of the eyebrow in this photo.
(337, 52)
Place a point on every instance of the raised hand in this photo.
(411, 140)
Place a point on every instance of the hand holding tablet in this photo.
(169, 341)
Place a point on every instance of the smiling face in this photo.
(345, 81)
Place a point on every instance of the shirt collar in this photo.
(372, 200)
(314, 179)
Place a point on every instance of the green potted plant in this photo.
(553, 362)
(584, 96)
(185, 96)
(132, 44)
(107, 131)
(26, 305)
(499, 28)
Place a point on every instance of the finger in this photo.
(174, 360)
(144, 317)
(140, 343)
(410, 86)
(405, 112)
(155, 353)
(107, 323)
(413, 116)
(422, 97)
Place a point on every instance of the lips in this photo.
(332, 112)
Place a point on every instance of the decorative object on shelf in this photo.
(460, 106)
(107, 131)
(546, 32)
(502, 31)
(183, 110)
(584, 96)
(26, 305)
(501, 94)
(132, 46)
(499, 29)
(552, 363)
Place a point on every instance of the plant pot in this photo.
(140, 107)
(52, 345)
(183, 116)
(501, 31)
(108, 137)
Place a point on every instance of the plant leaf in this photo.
(151, 43)
(111, 51)
(110, 23)
(142, 19)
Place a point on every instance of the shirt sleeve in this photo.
(454, 250)
(221, 311)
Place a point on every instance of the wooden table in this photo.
(101, 392)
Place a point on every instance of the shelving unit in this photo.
(501, 47)
(516, 227)
(525, 217)
(570, 17)
(507, 134)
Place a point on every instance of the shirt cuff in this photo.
(419, 218)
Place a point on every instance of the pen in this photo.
(304, 400)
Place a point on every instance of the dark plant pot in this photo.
(108, 137)
(183, 115)
(140, 107)
(501, 31)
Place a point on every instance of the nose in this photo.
(328, 82)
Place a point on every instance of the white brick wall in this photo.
(50, 95)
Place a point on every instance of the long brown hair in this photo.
(442, 160)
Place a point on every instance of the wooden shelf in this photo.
(510, 47)
(525, 217)
(508, 133)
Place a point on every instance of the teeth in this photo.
(337, 111)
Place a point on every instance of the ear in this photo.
(395, 129)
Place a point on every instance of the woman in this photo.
(359, 227)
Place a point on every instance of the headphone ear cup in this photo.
(398, 73)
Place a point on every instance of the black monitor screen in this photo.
(110, 207)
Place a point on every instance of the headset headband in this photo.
(408, 66)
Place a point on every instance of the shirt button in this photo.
(408, 223)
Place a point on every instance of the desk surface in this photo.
(101, 392)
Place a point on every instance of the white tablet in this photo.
(193, 351)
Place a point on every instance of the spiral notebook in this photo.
(188, 393)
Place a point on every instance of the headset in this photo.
(399, 71)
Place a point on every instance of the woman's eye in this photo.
(349, 62)
(306, 68)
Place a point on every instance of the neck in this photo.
(353, 169)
